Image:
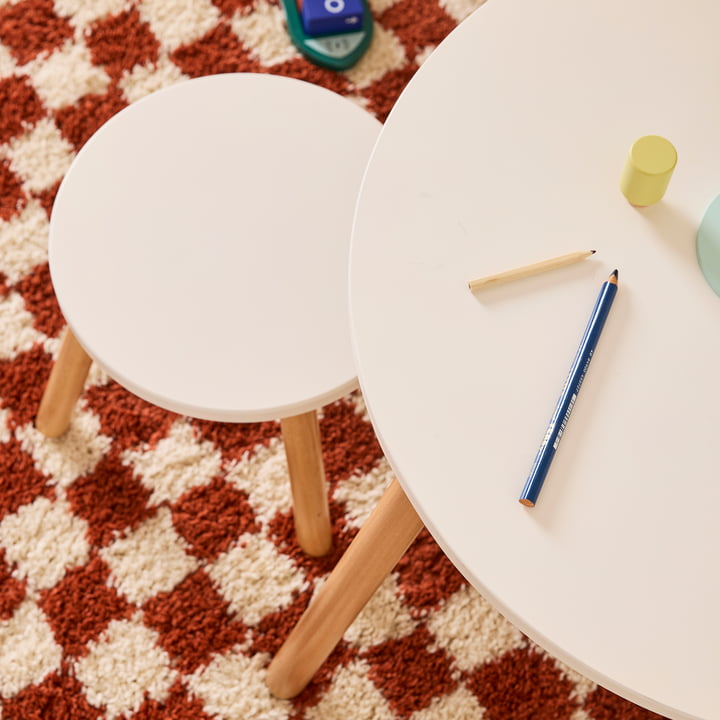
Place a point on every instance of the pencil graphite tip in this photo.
(613, 276)
(592, 252)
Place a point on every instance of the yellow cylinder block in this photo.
(648, 168)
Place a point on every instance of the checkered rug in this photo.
(148, 565)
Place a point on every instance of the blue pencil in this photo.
(570, 391)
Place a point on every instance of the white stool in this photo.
(199, 249)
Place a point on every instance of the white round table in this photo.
(506, 148)
(199, 246)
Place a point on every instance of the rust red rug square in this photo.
(148, 566)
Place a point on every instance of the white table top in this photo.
(199, 245)
(506, 148)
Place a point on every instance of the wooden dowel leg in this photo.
(301, 435)
(374, 552)
(64, 386)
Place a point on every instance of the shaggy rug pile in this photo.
(148, 565)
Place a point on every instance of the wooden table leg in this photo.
(374, 552)
(64, 386)
(301, 435)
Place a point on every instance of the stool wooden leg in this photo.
(65, 384)
(374, 552)
(301, 434)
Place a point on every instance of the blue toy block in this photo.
(331, 17)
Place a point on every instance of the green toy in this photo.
(335, 52)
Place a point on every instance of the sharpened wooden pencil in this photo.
(532, 269)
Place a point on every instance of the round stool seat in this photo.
(199, 245)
